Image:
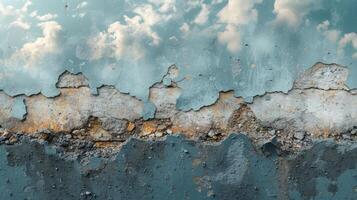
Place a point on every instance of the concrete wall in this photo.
(142, 99)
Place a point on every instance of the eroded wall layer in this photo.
(176, 168)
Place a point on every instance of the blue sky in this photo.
(249, 46)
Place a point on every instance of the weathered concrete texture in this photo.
(315, 111)
(192, 123)
(19, 110)
(180, 169)
(69, 80)
(326, 171)
(323, 76)
(319, 105)
(72, 109)
(7, 103)
(12, 108)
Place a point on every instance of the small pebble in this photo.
(299, 135)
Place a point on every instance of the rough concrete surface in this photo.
(319, 105)
(176, 168)
(91, 137)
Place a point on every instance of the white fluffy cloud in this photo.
(7, 10)
(335, 36)
(16, 14)
(32, 52)
(203, 15)
(131, 37)
(19, 15)
(349, 38)
(292, 12)
(46, 17)
(235, 14)
(82, 5)
(331, 34)
(185, 28)
(239, 12)
(20, 23)
(231, 37)
(164, 6)
(98, 45)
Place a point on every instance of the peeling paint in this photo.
(18, 110)
(319, 104)
(206, 65)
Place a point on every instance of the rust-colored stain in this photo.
(148, 128)
(325, 132)
(130, 127)
(188, 77)
(107, 144)
(54, 114)
(196, 162)
(32, 126)
(96, 131)
(188, 131)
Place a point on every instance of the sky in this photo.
(246, 46)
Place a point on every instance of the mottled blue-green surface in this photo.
(19, 110)
(181, 169)
(250, 47)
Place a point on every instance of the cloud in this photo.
(126, 37)
(149, 16)
(32, 52)
(239, 12)
(332, 35)
(25, 7)
(7, 10)
(16, 14)
(292, 12)
(236, 14)
(231, 37)
(354, 56)
(46, 17)
(98, 46)
(20, 23)
(349, 38)
(165, 6)
(19, 14)
(130, 38)
(82, 5)
(185, 28)
(202, 17)
(132, 35)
